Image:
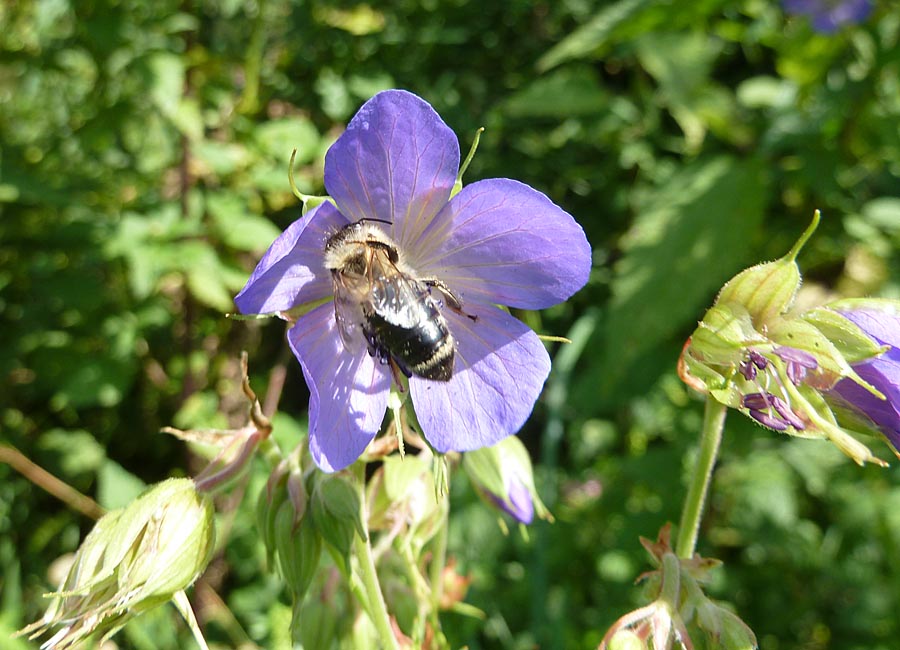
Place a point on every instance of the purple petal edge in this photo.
(397, 161)
(503, 242)
(291, 272)
(348, 393)
(499, 372)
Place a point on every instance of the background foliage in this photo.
(143, 170)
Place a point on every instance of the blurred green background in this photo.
(143, 171)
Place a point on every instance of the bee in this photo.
(379, 300)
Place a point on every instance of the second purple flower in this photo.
(496, 242)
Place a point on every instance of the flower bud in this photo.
(626, 640)
(336, 513)
(299, 546)
(777, 368)
(134, 559)
(724, 628)
(503, 475)
(767, 290)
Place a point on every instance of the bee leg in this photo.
(398, 373)
(452, 300)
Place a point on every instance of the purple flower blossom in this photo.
(496, 242)
(829, 15)
(882, 372)
(518, 504)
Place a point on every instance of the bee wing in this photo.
(351, 297)
(395, 296)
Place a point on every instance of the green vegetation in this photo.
(144, 154)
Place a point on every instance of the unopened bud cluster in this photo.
(134, 559)
(785, 370)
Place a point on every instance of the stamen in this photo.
(787, 413)
(768, 420)
(748, 370)
(758, 401)
(758, 360)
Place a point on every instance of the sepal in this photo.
(337, 514)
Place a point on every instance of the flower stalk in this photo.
(377, 608)
(692, 511)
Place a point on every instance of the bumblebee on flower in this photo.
(408, 270)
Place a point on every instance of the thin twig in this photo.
(46, 481)
(277, 377)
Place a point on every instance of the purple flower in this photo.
(829, 15)
(518, 503)
(496, 242)
(883, 372)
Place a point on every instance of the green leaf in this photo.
(883, 212)
(78, 451)
(594, 34)
(116, 486)
(223, 158)
(237, 226)
(681, 63)
(278, 137)
(568, 92)
(689, 238)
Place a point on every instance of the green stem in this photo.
(710, 437)
(377, 607)
(270, 452)
(436, 572)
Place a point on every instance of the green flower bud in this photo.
(299, 546)
(270, 499)
(749, 354)
(336, 513)
(724, 628)
(626, 640)
(503, 475)
(134, 559)
(767, 290)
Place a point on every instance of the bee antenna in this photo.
(374, 219)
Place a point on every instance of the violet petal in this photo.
(397, 161)
(519, 505)
(291, 272)
(348, 393)
(800, 357)
(500, 369)
(501, 242)
(882, 326)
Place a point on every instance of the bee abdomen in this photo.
(425, 349)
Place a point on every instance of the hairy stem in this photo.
(710, 437)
